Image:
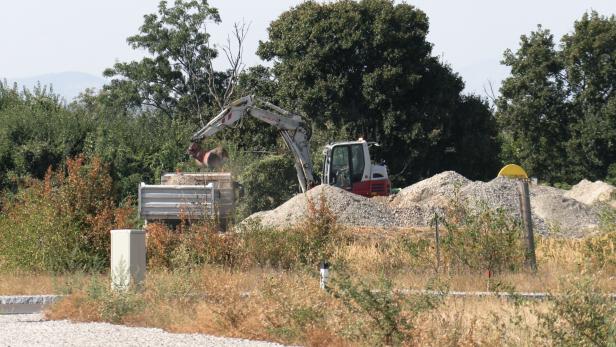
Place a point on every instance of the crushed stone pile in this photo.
(432, 190)
(553, 209)
(560, 213)
(591, 193)
(350, 209)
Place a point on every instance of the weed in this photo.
(485, 240)
(579, 316)
(382, 315)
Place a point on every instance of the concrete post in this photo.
(127, 258)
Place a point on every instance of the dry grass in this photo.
(16, 283)
(369, 254)
(288, 307)
(284, 304)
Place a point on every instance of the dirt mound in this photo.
(416, 205)
(560, 213)
(551, 210)
(431, 190)
(590, 193)
(350, 209)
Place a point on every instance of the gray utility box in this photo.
(189, 197)
(127, 258)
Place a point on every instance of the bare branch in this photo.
(490, 94)
(235, 60)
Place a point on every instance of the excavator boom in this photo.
(293, 129)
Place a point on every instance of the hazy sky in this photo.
(41, 36)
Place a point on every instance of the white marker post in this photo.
(324, 269)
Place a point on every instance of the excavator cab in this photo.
(347, 165)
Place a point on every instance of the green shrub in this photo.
(382, 315)
(252, 245)
(579, 316)
(482, 240)
(268, 183)
(63, 222)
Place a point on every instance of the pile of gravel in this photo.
(434, 190)
(34, 330)
(415, 205)
(560, 213)
(350, 209)
(591, 193)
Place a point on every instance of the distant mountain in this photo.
(67, 84)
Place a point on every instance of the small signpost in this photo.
(518, 173)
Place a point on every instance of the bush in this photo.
(382, 315)
(252, 246)
(268, 183)
(63, 222)
(188, 246)
(482, 240)
(599, 252)
(580, 316)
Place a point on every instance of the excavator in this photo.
(346, 165)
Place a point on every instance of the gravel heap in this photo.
(34, 330)
(435, 190)
(415, 205)
(591, 193)
(560, 213)
(351, 209)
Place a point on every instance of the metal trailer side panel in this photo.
(176, 202)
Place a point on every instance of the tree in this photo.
(589, 53)
(532, 112)
(367, 66)
(557, 110)
(178, 77)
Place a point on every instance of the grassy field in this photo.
(263, 283)
(286, 305)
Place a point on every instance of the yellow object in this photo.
(513, 171)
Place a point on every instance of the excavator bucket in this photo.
(213, 159)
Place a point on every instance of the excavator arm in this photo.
(293, 129)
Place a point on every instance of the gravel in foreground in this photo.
(34, 330)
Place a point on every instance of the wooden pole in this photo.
(526, 213)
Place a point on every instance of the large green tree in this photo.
(367, 66)
(557, 109)
(589, 54)
(177, 77)
(532, 111)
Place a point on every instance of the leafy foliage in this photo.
(177, 78)
(556, 110)
(367, 66)
(253, 246)
(580, 316)
(268, 182)
(384, 316)
(483, 240)
(63, 222)
(37, 131)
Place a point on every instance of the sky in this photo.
(39, 37)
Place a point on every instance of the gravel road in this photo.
(34, 330)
